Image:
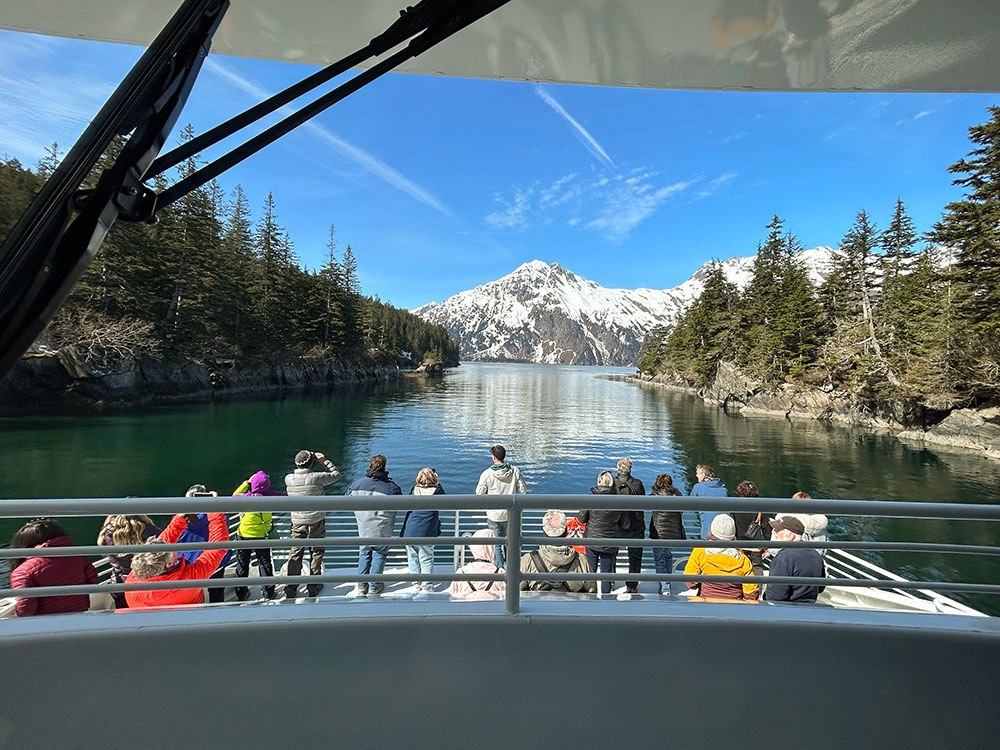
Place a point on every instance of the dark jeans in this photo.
(634, 566)
(295, 554)
(663, 560)
(498, 528)
(606, 561)
(217, 595)
(264, 568)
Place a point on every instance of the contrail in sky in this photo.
(371, 164)
(589, 141)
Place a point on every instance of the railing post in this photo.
(513, 595)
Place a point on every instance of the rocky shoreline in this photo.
(971, 429)
(62, 379)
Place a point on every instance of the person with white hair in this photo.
(722, 561)
(552, 559)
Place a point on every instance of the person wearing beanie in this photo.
(550, 559)
(794, 562)
(308, 480)
(711, 561)
(633, 521)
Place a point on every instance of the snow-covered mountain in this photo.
(545, 313)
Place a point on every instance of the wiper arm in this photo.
(50, 248)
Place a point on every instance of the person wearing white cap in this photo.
(551, 559)
(707, 561)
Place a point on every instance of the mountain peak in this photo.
(532, 265)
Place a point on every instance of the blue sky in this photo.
(441, 184)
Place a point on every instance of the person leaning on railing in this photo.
(373, 522)
(170, 566)
(602, 524)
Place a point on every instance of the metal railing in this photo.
(517, 506)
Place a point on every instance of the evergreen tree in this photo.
(48, 163)
(972, 227)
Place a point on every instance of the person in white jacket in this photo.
(499, 479)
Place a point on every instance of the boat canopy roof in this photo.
(837, 45)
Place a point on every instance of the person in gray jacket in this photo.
(374, 523)
(307, 480)
(501, 478)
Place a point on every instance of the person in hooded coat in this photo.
(501, 478)
(665, 524)
(550, 559)
(602, 524)
(721, 561)
(48, 571)
(422, 523)
(374, 523)
(482, 562)
(255, 526)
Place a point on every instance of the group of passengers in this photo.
(313, 472)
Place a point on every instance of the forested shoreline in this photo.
(210, 283)
(900, 316)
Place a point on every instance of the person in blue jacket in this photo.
(708, 486)
(422, 523)
(197, 531)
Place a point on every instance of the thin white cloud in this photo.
(734, 136)
(714, 185)
(368, 162)
(920, 115)
(617, 203)
(628, 205)
(589, 142)
(514, 214)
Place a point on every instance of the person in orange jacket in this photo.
(169, 566)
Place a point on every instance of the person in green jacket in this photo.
(255, 526)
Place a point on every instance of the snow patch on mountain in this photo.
(545, 313)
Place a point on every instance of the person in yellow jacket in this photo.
(254, 526)
(730, 561)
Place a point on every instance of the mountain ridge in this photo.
(544, 313)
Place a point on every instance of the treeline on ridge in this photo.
(206, 280)
(890, 319)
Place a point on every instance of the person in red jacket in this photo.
(169, 566)
(48, 571)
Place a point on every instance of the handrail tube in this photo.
(512, 592)
(348, 541)
(17, 508)
(982, 588)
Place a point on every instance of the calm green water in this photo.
(561, 425)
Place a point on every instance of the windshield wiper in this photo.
(61, 232)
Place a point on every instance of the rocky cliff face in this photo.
(975, 429)
(63, 379)
(546, 313)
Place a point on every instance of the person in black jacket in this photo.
(746, 488)
(634, 521)
(602, 524)
(665, 524)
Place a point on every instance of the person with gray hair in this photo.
(707, 486)
(551, 559)
(169, 566)
(602, 524)
(308, 481)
